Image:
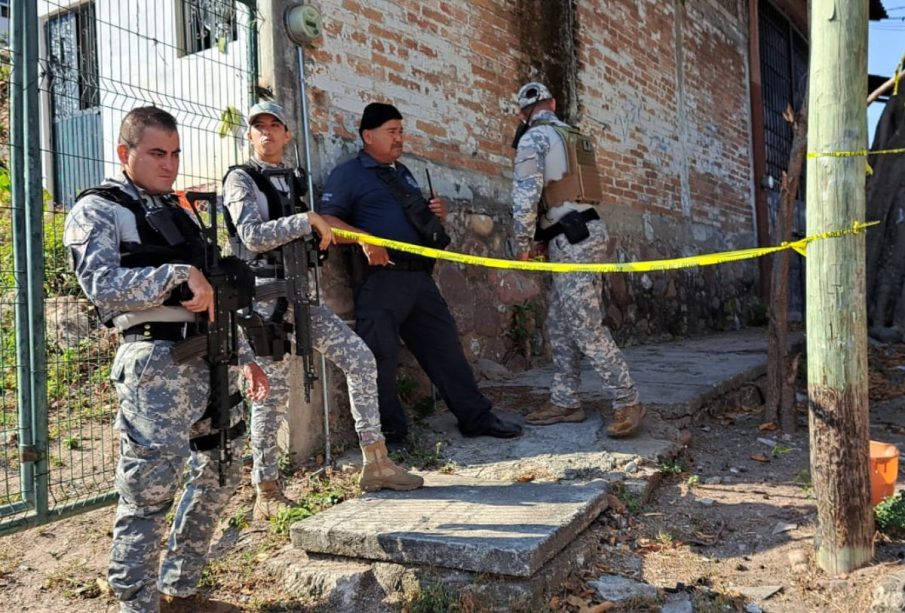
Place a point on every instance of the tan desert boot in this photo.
(379, 472)
(549, 413)
(626, 421)
(269, 500)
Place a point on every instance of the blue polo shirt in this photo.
(355, 194)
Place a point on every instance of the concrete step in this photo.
(500, 528)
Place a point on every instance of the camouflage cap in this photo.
(532, 93)
(267, 108)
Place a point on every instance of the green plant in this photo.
(672, 467)
(322, 496)
(405, 387)
(665, 538)
(779, 451)
(521, 323)
(889, 515)
(281, 522)
(694, 481)
(423, 408)
(431, 599)
(419, 454)
(285, 464)
(803, 478)
(630, 499)
(72, 442)
(239, 519)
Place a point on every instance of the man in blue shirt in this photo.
(398, 297)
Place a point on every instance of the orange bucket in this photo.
(884, 469)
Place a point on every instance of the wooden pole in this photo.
(836, 313)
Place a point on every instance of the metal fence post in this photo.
(20, 244)
(34, 227)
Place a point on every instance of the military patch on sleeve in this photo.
(526, 164)
(77, 230)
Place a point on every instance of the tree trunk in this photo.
(836, 313)
(780, 391)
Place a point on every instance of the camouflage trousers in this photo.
(161, 407)
(575, 328)
(339, 344)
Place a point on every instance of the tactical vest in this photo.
(274, 206)
(167, 235)
(581, 183)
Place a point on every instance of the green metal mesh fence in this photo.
(95, 62)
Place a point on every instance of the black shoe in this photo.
(497, 428)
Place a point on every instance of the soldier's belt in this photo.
(160, 331)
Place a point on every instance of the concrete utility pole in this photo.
(836, 313)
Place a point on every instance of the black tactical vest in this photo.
(167, 235)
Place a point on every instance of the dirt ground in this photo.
(736, 511)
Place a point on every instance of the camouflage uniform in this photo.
(574, 319)
(161, 407)
(330, 336)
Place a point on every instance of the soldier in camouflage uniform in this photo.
(126, 269)
(259, 233)
(574, 318)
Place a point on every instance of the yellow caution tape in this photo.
(852, 154)
(709, 259)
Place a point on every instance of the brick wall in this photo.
(661, 85)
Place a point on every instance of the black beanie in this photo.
(376, 114)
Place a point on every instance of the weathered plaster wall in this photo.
(661, 85)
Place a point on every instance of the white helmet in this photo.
(532, 93)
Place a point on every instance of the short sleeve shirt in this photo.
(355, 194)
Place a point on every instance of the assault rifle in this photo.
(298, 256)
(233, 285)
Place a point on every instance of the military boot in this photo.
(269, 500)
(549, 413)
(379, 472)
(626, 421)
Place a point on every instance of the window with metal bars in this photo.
(205, 24)
(784, 66)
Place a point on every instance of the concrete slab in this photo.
(676, 377)
(464, 524)
(560, 451)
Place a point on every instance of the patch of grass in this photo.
(431, 599)
(280, 523)
(803, 478)
(889, 515)
(630, 499)
(405, 387)
(665, 538)
(9, 561)
(323, 495)
(72, 442)
(423, 456)
(239, 519)
(424, 408)
(676, 466)
(67, 581)
(780, 450)
(286, 465)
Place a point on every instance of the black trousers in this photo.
(395, 303)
